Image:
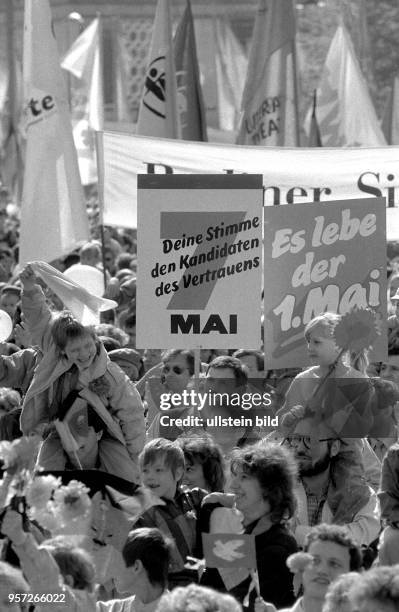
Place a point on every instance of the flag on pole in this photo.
(314, 139)
(84, 305)
(229, 550)
(269, 105)
(390, 120)
(11, 142)
(231, 68)
(87, 106)
(121, 68)
(53, 215)
(189, 93)
(158, 115)
(345, 112)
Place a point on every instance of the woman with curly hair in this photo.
(262, 482)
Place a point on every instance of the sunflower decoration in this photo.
(357, 330)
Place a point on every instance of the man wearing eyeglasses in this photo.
(225, 383)
(330, 489)
(177, 371)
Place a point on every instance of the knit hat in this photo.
(126, 354)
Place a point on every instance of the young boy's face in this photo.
(159, 478)
(81, 351)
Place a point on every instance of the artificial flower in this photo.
(39, 491)
(299, 561)
(20, 454)
(71, 502)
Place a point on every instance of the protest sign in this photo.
(316, 259)
(290, 175)
(199, 252)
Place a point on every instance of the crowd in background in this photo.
(319, 492)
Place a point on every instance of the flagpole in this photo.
(100, 173)
(11, 58)
(100, 152)
(12, 98)
(296, 92)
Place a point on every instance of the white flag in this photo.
(231, 68)
(53, 216)
(269, 103)
(345, 113)
(158, 115)
(390, 120)
(87, 106)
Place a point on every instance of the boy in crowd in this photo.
(146, 555)
(162, 469)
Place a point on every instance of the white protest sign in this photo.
(199, 253)
(290, 175)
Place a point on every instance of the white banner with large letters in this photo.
(290, 175)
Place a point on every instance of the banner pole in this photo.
(100, 173)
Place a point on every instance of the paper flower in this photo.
(20, 454)
(299, 561)
(40, 490)
(357, 330)
(72, 502)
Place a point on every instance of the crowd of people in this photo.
(308, 479)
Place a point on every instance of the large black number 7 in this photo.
(174, 225)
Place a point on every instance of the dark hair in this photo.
(225, 361)
(186, 353)
(160, 447)
(66, 327)
(248, 353)
(71, 259)
(124, 260)
(110, 344)
(203, 449)
(130, 320)
(275, 469)
(151, 547)
(9, 425)
(378, 586)
(72, 561)
(339, 535)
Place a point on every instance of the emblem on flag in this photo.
(229, 550)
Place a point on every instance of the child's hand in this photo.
(22, 335)
(28, 277)
(262, 606)
(12, 527)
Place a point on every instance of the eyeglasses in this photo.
(295, 441)
(175, 369)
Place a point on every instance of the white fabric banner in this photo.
(53, 213)
(290, 175)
